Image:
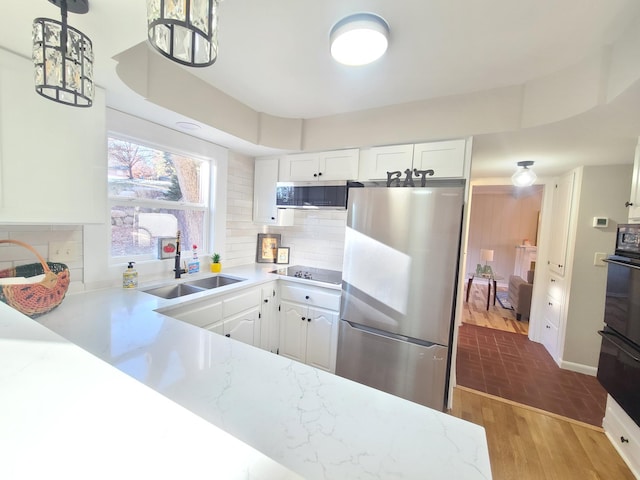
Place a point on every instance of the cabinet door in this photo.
(293, 331)
(322, 339)
(550, 339)
(634, 201)
(562, 197)
(377, 161)
(446, 159)
(264, 191)
(338, 165)
(270, 335)
(299, 167)
(53, 158)
(244, 327)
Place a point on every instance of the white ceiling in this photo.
(274, 57)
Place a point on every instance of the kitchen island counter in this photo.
(314, 423)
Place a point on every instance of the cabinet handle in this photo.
(553, 280)
(228, 335)
(266, 300)
(303, 319)
(308, 319)
(624, 440)
(550, 304)
(319, 174)
(628, 204)
(560, 266)
(548, 326)
(273, 218)
(306, 297)
(315, 174)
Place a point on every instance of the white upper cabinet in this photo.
(446, 159)
(264, 191)
(562, 196)
(53, 157)
(320, 166)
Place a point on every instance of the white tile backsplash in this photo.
(316, 238)
(39, 236)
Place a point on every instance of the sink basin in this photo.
(214, 282)
(187, 288)
(174, 291)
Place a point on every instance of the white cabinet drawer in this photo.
(243, 301)
(308, 295)
(553, 311)
(555, 288)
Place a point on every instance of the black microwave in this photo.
(314, 195)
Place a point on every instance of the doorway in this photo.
(502, 242)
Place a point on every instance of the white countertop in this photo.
(314, 423)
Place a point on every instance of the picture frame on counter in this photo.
(267, 249)
(282, 255)
(167, 247)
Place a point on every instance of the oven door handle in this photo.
(618, 343)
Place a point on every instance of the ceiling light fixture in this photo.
(63, 57)
(185, 31)
(524, 177)
(359, 39)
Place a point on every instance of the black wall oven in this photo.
(619, 363)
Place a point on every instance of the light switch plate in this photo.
(598, 259)
(63, 251)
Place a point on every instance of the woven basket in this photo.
(35, 299)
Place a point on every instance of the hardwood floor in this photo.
(529, 444)
(476, 313)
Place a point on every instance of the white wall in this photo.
(604, 190)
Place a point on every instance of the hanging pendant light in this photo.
(359, 39)
(524, 177)
(185, 31)
(63, 58)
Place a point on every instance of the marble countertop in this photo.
(316, 424)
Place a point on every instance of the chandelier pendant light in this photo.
(524, 177)
(359, 39)
(185, 31)
(63, 58)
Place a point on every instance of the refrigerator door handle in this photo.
(395, 336)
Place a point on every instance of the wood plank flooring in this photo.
(528, 444)
(475, 312)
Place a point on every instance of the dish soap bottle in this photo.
(130, 277)
(194, 264)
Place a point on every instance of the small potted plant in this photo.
(216, 266)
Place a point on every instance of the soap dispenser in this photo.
(130, 277)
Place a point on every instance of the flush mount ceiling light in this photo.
(359, 39)
(63, 57)
(185, 31)
(524, 177)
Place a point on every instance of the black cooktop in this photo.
(311, 273)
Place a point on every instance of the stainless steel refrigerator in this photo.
(398, 290)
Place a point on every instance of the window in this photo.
(154, 193)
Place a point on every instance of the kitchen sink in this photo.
(214, 282)
(187, 288)
(174, 291)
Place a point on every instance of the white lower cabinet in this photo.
(309, 325)
(236, 315)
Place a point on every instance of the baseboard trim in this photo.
(579, 368)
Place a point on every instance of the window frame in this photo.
(206, 188)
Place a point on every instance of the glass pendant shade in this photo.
(524, 177)
(359, 39)
(63, 61)
(186, 31)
